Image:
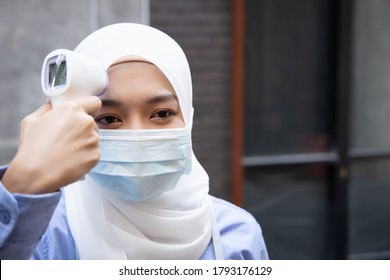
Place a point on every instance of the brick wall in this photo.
(203, 29)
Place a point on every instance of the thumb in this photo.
(90, 104)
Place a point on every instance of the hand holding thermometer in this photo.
(68, 75)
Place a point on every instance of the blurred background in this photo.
(292, 102)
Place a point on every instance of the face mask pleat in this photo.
(138, 165)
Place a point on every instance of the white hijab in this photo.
(175, 225)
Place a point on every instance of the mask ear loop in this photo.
(216, 237)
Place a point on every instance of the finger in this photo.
(46, 107)
(90, 104)
(96, 128)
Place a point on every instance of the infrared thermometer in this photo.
(67, 75)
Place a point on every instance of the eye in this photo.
(162, 114)
(107, 121)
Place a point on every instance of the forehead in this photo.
(137, 80)
(144, 73)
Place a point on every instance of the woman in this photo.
(147, 197)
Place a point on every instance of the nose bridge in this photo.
(134, 121)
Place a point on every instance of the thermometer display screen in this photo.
(57, 74)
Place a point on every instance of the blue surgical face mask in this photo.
(139, 165)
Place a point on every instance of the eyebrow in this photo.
(161, 98)
(154, 100)
(110, 103)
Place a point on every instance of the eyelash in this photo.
(99, 119)
(109, 119)
(157, 114)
